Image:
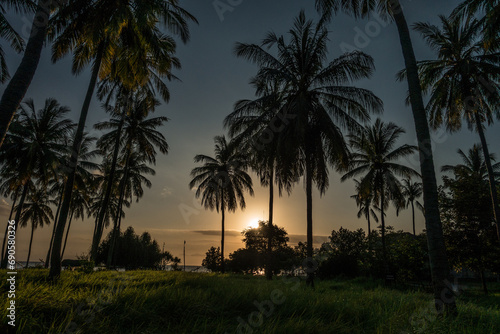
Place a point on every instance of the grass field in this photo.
(176, 302)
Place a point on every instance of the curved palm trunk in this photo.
(47, 260)
(413, 217)
(440, 270)
(55, 261)
(67, 232)
(16, 218)
(18, 85)
(269, 272)
(29, 249)
(223, 266)
(310, 268)
(116, 230)
(109, 187)
(7, 226)
(491, 175)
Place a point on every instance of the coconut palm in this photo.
(250, 124)
(376, 157)
(126, 47)
(473, 165)
(34, 146)
(392, 10)
(222, 181)
(364, 200)
(79, 207)
(83, 178)
(8, 33)
(317, 103)
(411, 192)
(37, 210)
(490, 21)
(132, 179)
(462, 82)
(17, 87)
(134, 131)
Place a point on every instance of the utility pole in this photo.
(184, 255)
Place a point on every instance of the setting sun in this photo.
(254, 223)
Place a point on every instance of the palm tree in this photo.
(8, 33)
(129, 33)
(375, 156)
(392, 10)
(253, 119)
(222, 181)
(38, 211)
(490, 21)
(79, 207)
(18, 85)
(364, 200)
(411, 192)
(317, 103)
(34, 146)
(462, 83)
(474, 165)
(139, 135)
(83, 179)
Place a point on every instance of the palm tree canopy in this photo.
(136, 52)
(464, 78)
(37, 209)
(318, 100)
(376, 157)
(8, 33)
(222, 180)
(139, 131)
(473, 164)
(36, 141)
(356, 8)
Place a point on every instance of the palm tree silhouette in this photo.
(139, 135)
(37, 210)
(392, 10)
(375, 157)
(35, 145)
(364, 200)
(318, 103)
(462, 83)
(490, 21)
(18, 86)
(8, 33)
(123, 41)
(222, 181)
(411, 192)
(249, 124)
(473, 165)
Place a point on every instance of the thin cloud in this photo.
(217, 232)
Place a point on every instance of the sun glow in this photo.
(254, 223)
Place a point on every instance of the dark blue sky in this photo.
(212, 80)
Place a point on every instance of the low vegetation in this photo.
(177, 302)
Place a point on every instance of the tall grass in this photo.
(176, 302)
